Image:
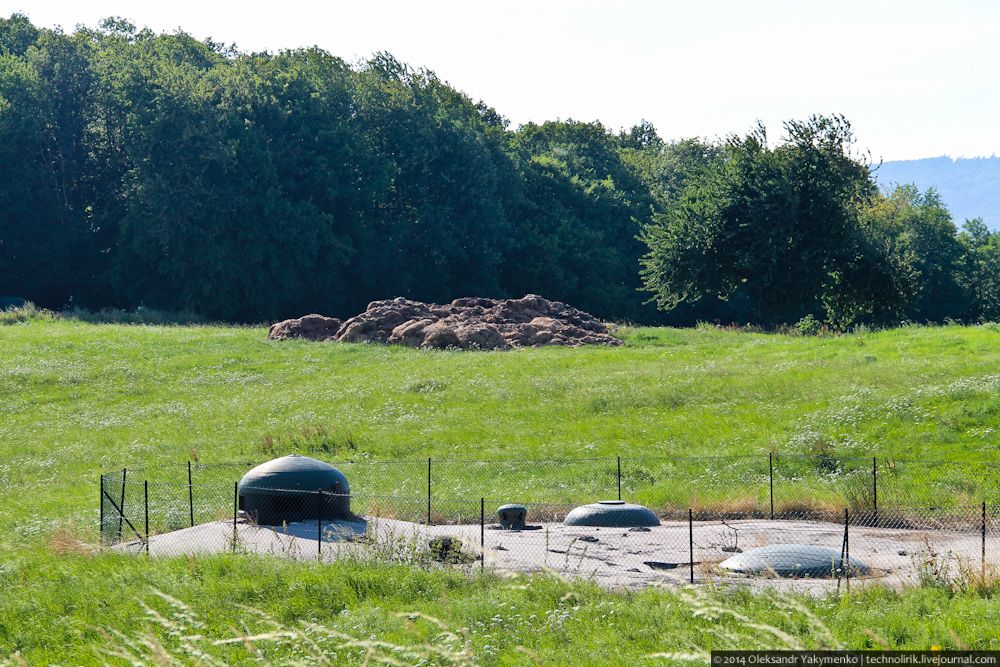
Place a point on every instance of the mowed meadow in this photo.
(78, 399)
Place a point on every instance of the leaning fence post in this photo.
(482, 534)
(236, 507)
(691, 541)
(319, 524)
(190, 496)
(875, 487)
(770, 475)
(100, 530)
(145, 502)
(428, 490)
(121, 505)
(619, 478)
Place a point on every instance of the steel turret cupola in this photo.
(286, 490)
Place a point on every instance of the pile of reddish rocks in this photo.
(468, 323)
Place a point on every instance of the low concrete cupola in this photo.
(794, 560)
(612, 514)
(284, 490)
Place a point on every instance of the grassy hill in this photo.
(967, 185)
(77, 399)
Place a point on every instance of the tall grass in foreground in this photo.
(72, 606)
(747, 633)
(172, 633)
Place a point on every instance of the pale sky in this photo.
(917, 79)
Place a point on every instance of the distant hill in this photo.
(970, 187)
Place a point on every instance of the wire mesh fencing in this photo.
(302, 524)
(796, 550)
(811, 549)
(760, 484)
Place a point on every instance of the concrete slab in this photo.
(612, 557)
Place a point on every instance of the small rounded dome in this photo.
(512, 515)
(612, 514)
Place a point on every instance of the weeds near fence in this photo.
(954, 573)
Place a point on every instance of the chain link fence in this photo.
(436, 514)
(752, 485)
(897, 547)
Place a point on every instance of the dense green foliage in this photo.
(777, 234)
(159, 170)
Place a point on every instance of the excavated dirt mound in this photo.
(310, 327)
(469, 323)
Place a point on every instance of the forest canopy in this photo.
(166, 171)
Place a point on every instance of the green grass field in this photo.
(77, 399)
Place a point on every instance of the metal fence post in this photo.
(190, 496)
(482, 534)
(875, 487)
(121, 505)
(619, 478)
(319, 525)
(691, 541)
(847, 548)
(236, 507)
(770, 475)
(145, 501)
(428, 490)
(100, 530)
(983, 532)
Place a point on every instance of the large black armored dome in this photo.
(285, 490)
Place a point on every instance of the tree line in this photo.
(161, 170)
